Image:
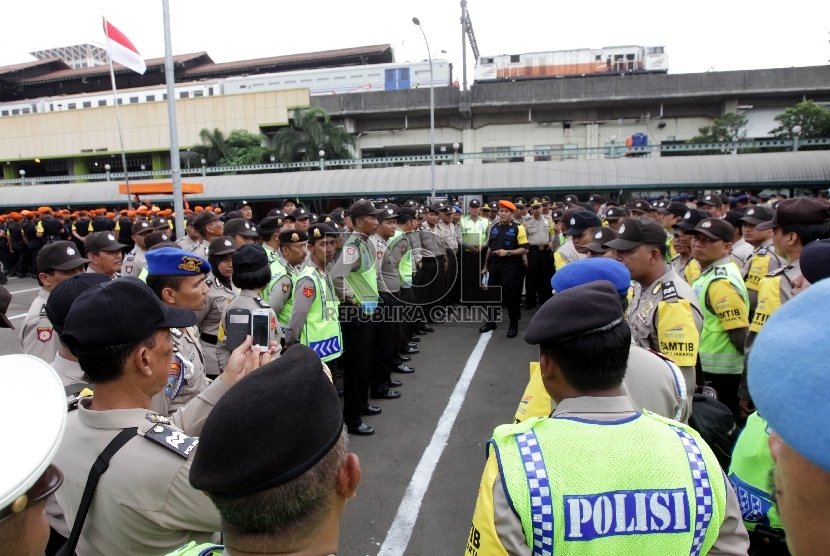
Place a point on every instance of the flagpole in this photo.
(175, 163)
(118, 117)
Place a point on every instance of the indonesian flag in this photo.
(121, 50)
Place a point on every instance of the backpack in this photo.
(716, 424)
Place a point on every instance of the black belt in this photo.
(537, 247)
(209, 338)
(510, 259)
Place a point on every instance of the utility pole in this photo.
(175, 163)
(464, 44)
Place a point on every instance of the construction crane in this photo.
(467, 31)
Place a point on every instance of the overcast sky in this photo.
(699, 36)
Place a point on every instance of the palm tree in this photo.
(214, 146)
(311, 132)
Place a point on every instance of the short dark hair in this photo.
(291, 511)
(107, 368)
(662, 247)
(252, 279)
(157, 283)
(808, 233)
(595, 362)
(266, 237)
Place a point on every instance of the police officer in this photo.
(763, 258)
(18, 247)
(547, 487)
(451, 235)
(295, 478)
(49, 229)
(474, 228)
(713, 204)
(292, 257)
(220, 293)
(209, 226)
(741, 249)
(723, 298)
(178, 277)
(135, 260)
(434, 265)
(302, 219)
(124, 229)
(191, 241)
(567, 253)
(505, 247)
(104, 253)
(539, 230)
(128, 366)
(664, 314)
(241, 230)
(56, 262)
(29, 478)
(33, 242)
(269, 230)
(651, 382)
(251, 275)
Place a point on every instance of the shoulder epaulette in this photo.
(261, 302)
(43, 311)
(131, 256)
(720, 271)
(158, 419)
(176, 332)
(779, 270)
(209, 282)
(172, 439)
(669, 292)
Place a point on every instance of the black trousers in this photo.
(385, 343)
(470, 265)
(21, 254)
(34, 249)
(539, 273)
(452, 280)
(432, 284)
(406, 327)
(508, 275)
(356, 362)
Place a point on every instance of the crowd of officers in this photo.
(359, 288)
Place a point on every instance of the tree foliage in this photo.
(312, 131)
(813, 119)
(241, 147)
(729, 127)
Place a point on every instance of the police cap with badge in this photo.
(600, 240)
(28, 475)
(241, 227)
(271, 225)
(160, 223)
(581, 221)
(320, 231)
(64, 295)
(220, 246)
(715, 228)
(612, 214)
(691, 219)
(102, 241)
(475, 203)
(241, 452)
(157, 238)
(800, 211)
(60, 255)
(758, 215)
(143, 226)
(300, 214)
(592, 308)
(638, 231)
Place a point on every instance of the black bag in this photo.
(716, 424)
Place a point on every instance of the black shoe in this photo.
(415, 339)
(412, 344)
(362, 430)
(530, 307)
(371, 410)
(387, 395)
(513, 331)
(403, 369)
(487, 327)
(405, 358)
(340, 392)
(410, 350)
(427, 328)
(394, 383)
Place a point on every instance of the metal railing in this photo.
(610, 150)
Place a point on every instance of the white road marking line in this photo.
(24, 291)
(397, 538)
(18, 316)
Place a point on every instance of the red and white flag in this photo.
(121, 50)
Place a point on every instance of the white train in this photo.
(579, 62)
(325, 81)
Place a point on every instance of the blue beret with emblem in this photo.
(591, 270)
(172, 261)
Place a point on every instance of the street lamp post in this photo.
(22, 177)
(107, 168)
(417, 22)
(796, 133)
(322, 154)
(204, 170)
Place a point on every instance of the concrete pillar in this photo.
(10, 170)
(159, 163)
(78, 166)
(729, 106)
(468, 143)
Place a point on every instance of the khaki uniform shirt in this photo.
(732, 538)
(538, 231)
(134, 262)
(245, 299)
(69, 371)
(187, 347)
(36, 335)
(658, 385)
(218, 298)
(567, 254)
(643, 318)
(680, 268)
(741, 252)
(448, 233)
(765, 249)
(144, 504)
(432, 243)
(415, 241)
(190, 245)
(90, 270)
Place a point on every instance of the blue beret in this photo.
(172, 261)
(591, 270)
(788, 373)
(457, 209)
(741, 199)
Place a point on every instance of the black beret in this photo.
(292, 236)
(591, 308)
(271, 427)
(249, 257)
(814, 260)
(270, 224)
(319, 231)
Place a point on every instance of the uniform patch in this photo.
(285, 288)
(44, 334)
(128, 270)
(646, 310)
(669, 291)
(172, 439)
(308, 291)
(720, 271)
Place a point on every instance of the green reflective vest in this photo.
(193, 549)
(273, 255)
(717, 354)
(321, 331)
(278, 270)
(474, 232)
(660, 489)
(749, 473)
(143, 274)
(364, 280)
(405, 266)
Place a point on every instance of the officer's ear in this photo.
(349, 477)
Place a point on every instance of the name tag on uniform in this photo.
(625, 512)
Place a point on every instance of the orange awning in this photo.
(159, 188)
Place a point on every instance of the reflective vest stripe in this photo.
(541, 505)
(703, 489)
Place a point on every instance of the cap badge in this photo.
(687, 215)
(317, 232)
(622, 229)
(751, 211)
(144, 224)
(110, 237)
(70, 251)
(247, 225)
(327, 219)
(706, 225)
(573, 221)
(227, 243)
(599, 235)
(295, 237)
(190, 264)
(708, 197)
(164, 237)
